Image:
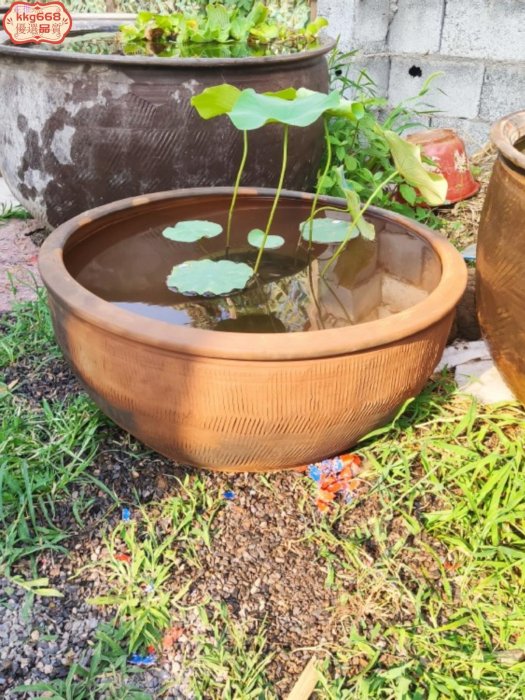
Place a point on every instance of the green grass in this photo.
(230, 663)
(137, 589)
(428, 564)
(450, 474)
(27, 332)
(44, 450)
(105, 676)
(44, 453)
(8, 211)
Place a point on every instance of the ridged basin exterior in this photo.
(238, 401)
(80, 130)
(500, 260)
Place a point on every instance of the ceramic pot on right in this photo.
(501, 254)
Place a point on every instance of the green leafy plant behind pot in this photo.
(362, 150)
(250, 110)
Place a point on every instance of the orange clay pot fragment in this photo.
(447, 150)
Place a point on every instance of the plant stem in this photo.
(330, 208)
(358, 218)
(320, 182)
(236, 187)
(275, 201)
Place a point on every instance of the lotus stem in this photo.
(236, 188)
(358, 218)
(320, 182)
(275, 201)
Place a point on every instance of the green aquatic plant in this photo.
(249, 110)
(217, 24)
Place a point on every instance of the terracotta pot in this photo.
(244, 401)
(500, 258)
(81, 130)
(448, 151)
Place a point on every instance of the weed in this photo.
(361, 149)
(230, 663)
(141, 557)
(106, 675)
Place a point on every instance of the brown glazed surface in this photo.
(78, 131)
(239, 401)
(501, 255)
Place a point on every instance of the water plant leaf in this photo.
(313, 28)
(191, 231)
(366, 229)
(354, 111)
(256, 239)
(408, 193)
(218, 24)
(353, 204)
(265, 33)
(209, 277)
(252, 110)
(327, 230)
(216, 100)
(407, 158)
(241, 26)
(285, 94)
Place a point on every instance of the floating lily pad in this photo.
(191, 231)
(209, 277)
(328, 230)
(256, 239)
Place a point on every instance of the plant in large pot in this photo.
(279, 343)
(103, 102)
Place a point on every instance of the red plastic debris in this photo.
(123, 557)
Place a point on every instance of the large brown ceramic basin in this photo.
(80, 130)
(241, 401)
(500, 265)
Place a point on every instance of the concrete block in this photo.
(7, 198)
(416, 26)
(371, 24)
(340, 15)
(484, 29)
(474, 132)
(503, 90)
(457, 92)
(377, 68)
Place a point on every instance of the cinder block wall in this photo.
(479, 45)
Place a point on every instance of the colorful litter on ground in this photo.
(335, 476)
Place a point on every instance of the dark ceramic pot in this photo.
(500, 260)
(80, 130)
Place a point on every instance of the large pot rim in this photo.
(245, 346)
(504, 135)
(21, 51)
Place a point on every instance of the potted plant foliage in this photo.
(117, 101)
(243, 328)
